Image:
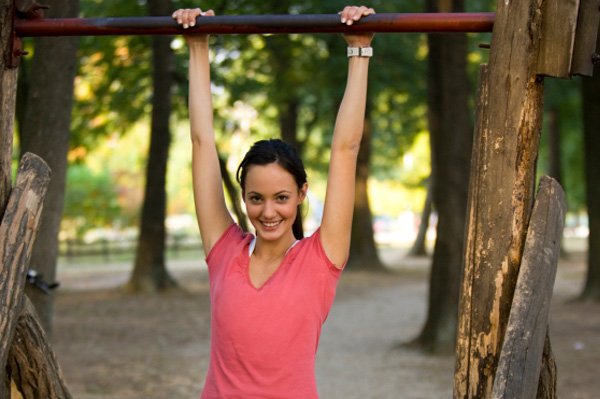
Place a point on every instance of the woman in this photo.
(271, 293)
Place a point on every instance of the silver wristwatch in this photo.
(360, 51)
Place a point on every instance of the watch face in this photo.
(366, 51)
(353, 51)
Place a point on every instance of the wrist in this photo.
(362, 51)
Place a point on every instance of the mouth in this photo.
(271, 225)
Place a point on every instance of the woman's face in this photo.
(272, 198)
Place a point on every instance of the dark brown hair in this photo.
(265, 152)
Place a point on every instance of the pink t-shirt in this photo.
(264, 341)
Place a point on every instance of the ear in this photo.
(302, 193)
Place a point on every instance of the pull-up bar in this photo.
(245, 24)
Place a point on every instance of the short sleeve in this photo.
(226, 245)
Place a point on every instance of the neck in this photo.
(273, 249)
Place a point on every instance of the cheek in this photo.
(291, 209)
(252, 210)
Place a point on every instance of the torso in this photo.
(266, 323)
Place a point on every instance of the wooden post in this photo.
(586, 38)
(501, 193)
(556, 48)
(531, 38)
(17, 233)
(521, 358)
(32, 362)
(8, 93)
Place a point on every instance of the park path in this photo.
(113, 345)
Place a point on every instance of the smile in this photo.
(271, 224)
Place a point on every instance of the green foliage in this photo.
(564, 96)
(113, 85)
(255, 79)
(90, 200)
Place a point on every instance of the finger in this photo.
(351, 15)
(345, 17)
(368, 11)
(189, 16)
(361, 11)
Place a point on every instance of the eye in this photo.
(282, 198)
(255, 199)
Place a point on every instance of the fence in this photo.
(107, 250)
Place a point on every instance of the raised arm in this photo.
(347, 134)
(211, 210)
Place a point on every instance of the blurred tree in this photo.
(90, 200)
(591, 121)
(562, 141)
(419, 248)
(392, 120)
(450, 132)
(113, 84)
(44, 129)
(150, 272)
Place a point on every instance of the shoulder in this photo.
(312, 249)
(230, 242)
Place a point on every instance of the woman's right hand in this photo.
(186, 17)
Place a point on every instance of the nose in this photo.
(269, 211)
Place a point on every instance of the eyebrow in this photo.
(276, 194)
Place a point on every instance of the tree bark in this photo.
(591, 122)
(520, 362)
(508, 128)
(547, 383)
(8, 88)
(17, 234)
(363, 252)
(150, 273)
(32, 362)
(451, 140)
(45, 131)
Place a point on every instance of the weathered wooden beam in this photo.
(32, 362)
(8, 94)
(17, 233)
(547, 383)
(557, 45)
(521, 358)
(501, 195)
(586, 38)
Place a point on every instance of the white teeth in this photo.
(270, 224)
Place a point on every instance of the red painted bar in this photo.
(245, 24)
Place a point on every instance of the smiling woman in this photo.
(271, 292)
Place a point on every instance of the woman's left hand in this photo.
(351, 14)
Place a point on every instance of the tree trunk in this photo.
(363, 252)
(591, 121)
(419, 246)
(450, 134)
(234, 195)
(555, 169)
(45, 131)
(32, 362)
(150, 273)
(503, 172)
(7, 103)
(524, 343)
(288, 122)
(18, 230)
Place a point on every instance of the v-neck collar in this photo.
(252, 245)
(283, 263)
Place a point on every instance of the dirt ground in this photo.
(123, 346)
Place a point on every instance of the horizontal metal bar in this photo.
(245, 24)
